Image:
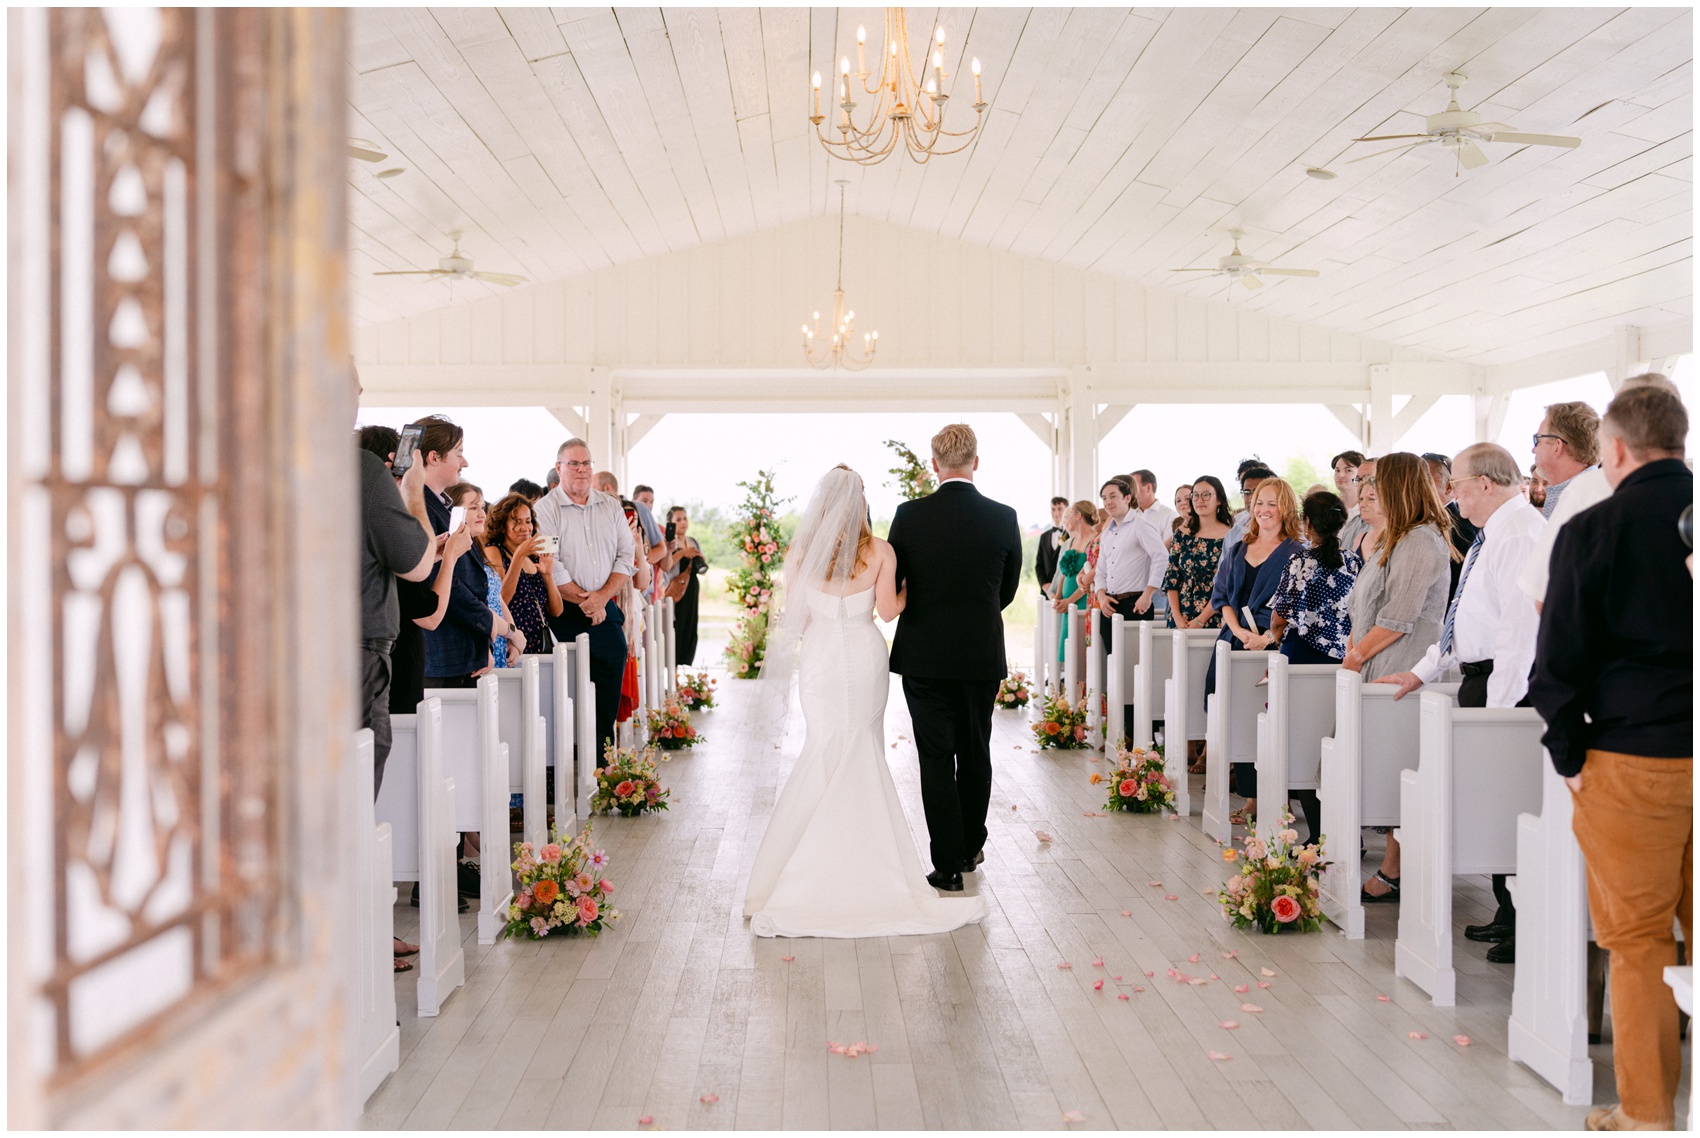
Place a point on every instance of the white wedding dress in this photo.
(838, 859)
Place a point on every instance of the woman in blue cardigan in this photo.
(1256, 565)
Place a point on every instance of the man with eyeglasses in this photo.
(1565, 444)
(595, 561)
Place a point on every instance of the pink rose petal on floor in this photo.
(1012, 805)
(894, 746)
(1137, 988)
(1097, 962)
(1127, 912)
(787, 959)
(1193, 959)
(1229, 1024)
(1155, 884)
(1385, 999)
(1197, 981)
(1266, 971)
(1065, 965)
(1218, 1056)
(1242, 987)
(710, 1098)
(1461, 1040)
(1252, 1008)
(1118, 977)
(1230, 955)
(1041, 835)
(646, 1120)
(1073, 1116)
(1417, 1034)
(1170, 897)
(1213, 976)
(1263, 983)
(1097, 985)
(1150, 974)
(1124, 995)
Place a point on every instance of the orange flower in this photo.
(1230, 855)
(546, 891)
(1096, 778)
(1050, 728)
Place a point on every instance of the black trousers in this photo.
(953, 737)
(607, 664)
(375, 703)
(1124, 609)
(1472, 692)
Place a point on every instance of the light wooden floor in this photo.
(978, 1029)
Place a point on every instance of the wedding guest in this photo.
(1614, 681)
(527, 489)
(1194, 555)
(595, 562)
(1051, 542)
(1252, 475)
(1129, 568)
(1345, 467)
(1256, 564)
(1359, 533)
(650, 536)
(1079, 520)
(1586, 489)
(1400, 597)
(1183, 509)
(1311, 620)
(1565, 444)
(528, 578)
(1490, 626)
(511, 639)
(460, 644)
(1536, 487)
(551, 480)
(684, 566)
(1463, 534)
(1150, 508)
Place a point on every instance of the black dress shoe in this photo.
(1505, 952)
(1491, 932)
(949, 882)
(973, 863)
(467, 879)
(460, 901)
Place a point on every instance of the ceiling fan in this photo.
(1459, 130)
(363, 149)
(1237, 267)
(457, 267)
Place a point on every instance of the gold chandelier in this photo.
(904, 110)
(837, 352)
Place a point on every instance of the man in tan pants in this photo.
(1614, 682)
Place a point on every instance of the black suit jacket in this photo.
(1045, 560)
(959, 553)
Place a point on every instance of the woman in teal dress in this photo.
(1079, 520)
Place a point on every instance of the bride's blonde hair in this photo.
(864, 538)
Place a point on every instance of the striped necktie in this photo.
(1452, 611)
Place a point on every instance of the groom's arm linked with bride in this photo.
(959, 556)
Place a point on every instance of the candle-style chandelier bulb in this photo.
(837, 352)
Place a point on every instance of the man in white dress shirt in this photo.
(1131, 564)
(595, 561)
(1490, 629)
(1160, 515)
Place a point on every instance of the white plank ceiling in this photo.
(1126, 141)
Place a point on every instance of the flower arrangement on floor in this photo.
(914, 478)
(1014, 692)
(628, 783)
(1278, 885)
(1139, 783)
(1064, 725)
(670, 727)
(560, 889)
(695, 691)
(760, 545)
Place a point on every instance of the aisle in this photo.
(978, 1029)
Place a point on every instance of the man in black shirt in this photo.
(1614, 680)
(1051, 542)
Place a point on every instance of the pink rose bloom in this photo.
(1286, 909)
(624, 790)
(551, 853)
(588, 909)
(652, 793)
(1080, 732)
(1127, 788)
(525, 899)
(765, 558)
(606, 886)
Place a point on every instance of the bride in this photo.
(838, 859)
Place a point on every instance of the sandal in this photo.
(402, 948)
(1238, 818)
(1392, 893)
(403, 965)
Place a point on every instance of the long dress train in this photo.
(838, 859)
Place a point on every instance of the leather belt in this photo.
(1118, 598)
(1479, 668)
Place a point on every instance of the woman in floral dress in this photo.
(1194, 554)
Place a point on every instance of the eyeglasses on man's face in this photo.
(570, 465)
(1536, 439)
(1451, 482)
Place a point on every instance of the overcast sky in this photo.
(703, 457)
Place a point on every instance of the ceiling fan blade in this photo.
(507, 279)
(1291, 272)
(1195, 270)
(1489, 128)
(1251, 281)
(415, 273)
(365, 155)
(1470, 156)
(1535, 139)
(1391, 150)
(1385, 137)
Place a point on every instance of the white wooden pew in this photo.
(1230, 734)
(475, 757)
(1289, 738)
(1047, 671)
(1548, 1031)
(1074, 655)
(1477, 769)
(1121, 669)
(1375, 739)
(519, 703)
(1184, 718)
(417, 802)
(378, 1050)
(670, 646)
(1153, 666)
(570, 723)
(1097, 665)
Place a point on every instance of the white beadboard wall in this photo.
(937, 302)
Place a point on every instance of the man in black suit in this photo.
(959, 555)
(1051, 542)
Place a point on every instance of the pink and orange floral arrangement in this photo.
(561, 889)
